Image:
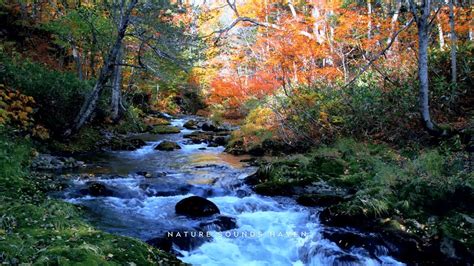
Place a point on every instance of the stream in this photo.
(147, 184)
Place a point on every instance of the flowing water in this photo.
(271, 230)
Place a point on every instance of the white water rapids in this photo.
(270, 230)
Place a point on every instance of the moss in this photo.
(126, 144)
(53, 232)
(275, 189)
(167, 146)
(165, 130)
(38, 230)
(384, 184)
(88, 139)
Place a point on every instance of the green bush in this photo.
(58, 95)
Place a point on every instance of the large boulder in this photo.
(195, 206)
(167, 146)
(97, 189)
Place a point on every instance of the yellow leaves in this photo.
(16, 109)
(29, 109)
(23, 116)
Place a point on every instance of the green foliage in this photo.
(14, 156)
(433, 183)
(82, 26)
(58, 95)
(88, 139)
(37, 230)
(446, 96)
(375, 110)
(320, 113)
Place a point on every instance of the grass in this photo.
(43, 231)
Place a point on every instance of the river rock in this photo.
(191, 124)
(208, 126)
(195, 206)
(165, 130)
(348, 240)
(334, 218)
(50, 162)
(198, 137)
(117, 144)
(235, 148)
(275, 189)
(319, 200)
(144, 174)
(184, 239)
(220, 223)
(220, 140)
(167, 146)
(97, 189)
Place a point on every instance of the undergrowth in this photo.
(43, 231)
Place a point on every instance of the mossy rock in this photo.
(165, 130)
(191, 124)
(200, 137)
(275, 189)
(167, 146)
(320, 200)
(117, 144)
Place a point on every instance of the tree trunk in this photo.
(453, 42)
(90, 103)
(441, 36)
(77, 58)
(292, 9)
(369, 17)
(116, 101)
(393, 24)
(423, 24)
(318, 28)
(423, 41)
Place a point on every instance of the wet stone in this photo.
(196, 206)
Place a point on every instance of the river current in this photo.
(148, 183)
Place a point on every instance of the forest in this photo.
(126, 123)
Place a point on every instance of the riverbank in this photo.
(40, 230)
(391, 197)
(420, 202)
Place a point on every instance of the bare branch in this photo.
(371, 61)
(255, 23)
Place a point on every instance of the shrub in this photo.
(58, 95)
